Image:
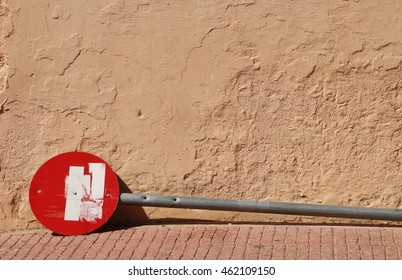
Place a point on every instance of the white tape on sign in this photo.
(84, 193)
(98, 171)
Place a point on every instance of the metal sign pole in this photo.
(301, 209)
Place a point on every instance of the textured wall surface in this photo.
(272, 100)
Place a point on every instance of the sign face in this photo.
(74, 193)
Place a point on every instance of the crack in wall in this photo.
(70, 63)
(199, 46)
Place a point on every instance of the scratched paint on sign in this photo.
(84, 193)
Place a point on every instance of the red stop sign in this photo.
(74, 193)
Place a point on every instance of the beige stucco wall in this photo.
(295, 101)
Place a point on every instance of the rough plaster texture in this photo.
(271, 100)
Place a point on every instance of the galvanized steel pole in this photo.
(300, 209)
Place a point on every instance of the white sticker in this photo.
(84, 193)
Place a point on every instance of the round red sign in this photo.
(74, 193)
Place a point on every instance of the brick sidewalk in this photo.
(201, 242)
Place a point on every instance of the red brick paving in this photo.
(229, 243)
(210, 242)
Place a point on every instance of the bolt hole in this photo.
(175, 199)
(74, 193)
(144, 197)
(108, 195)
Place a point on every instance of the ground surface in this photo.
(190, 242)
